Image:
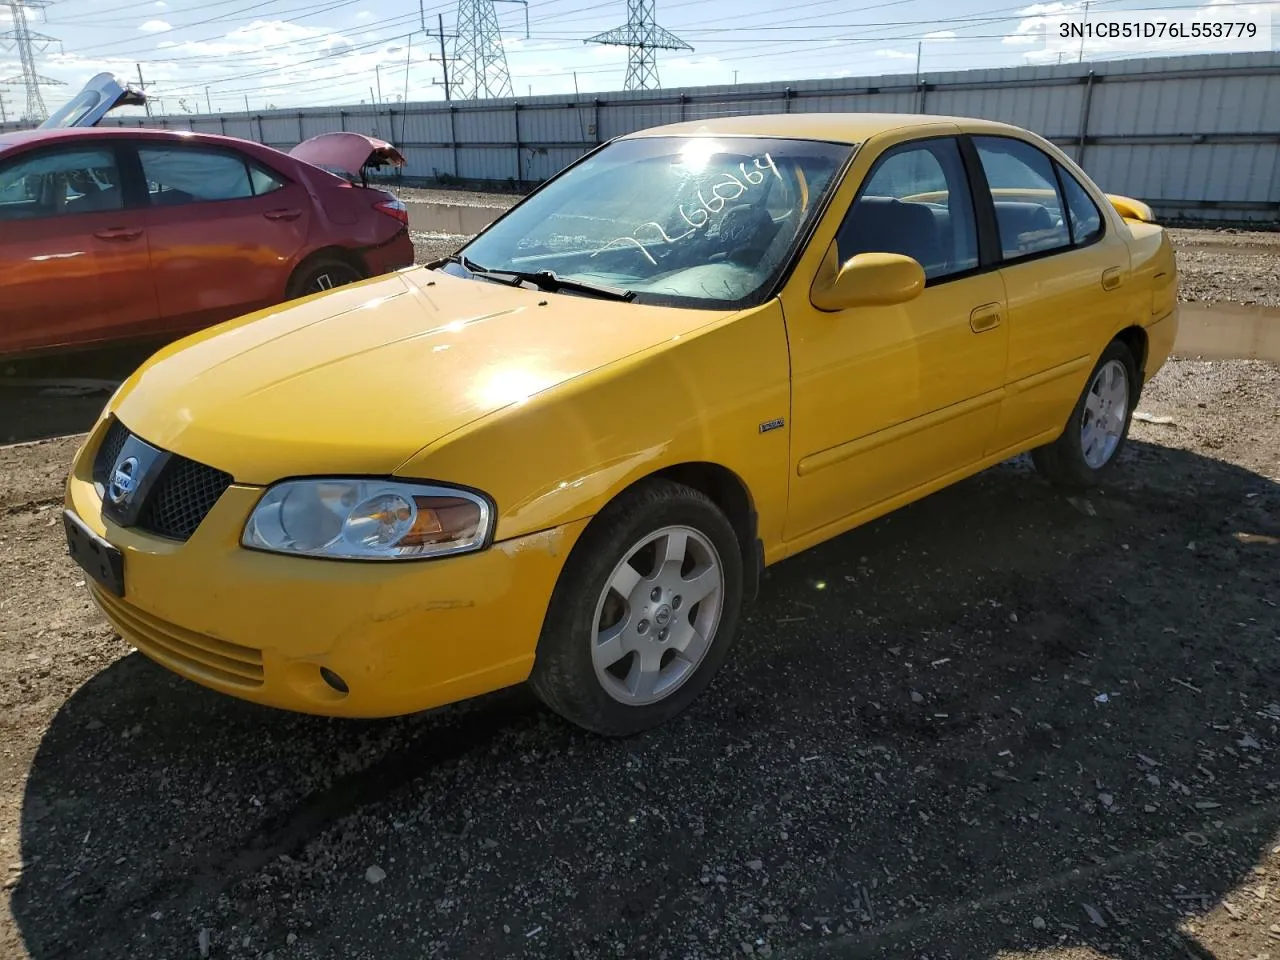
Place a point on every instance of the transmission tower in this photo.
(28, 43)
(643, 38)
(481, 61)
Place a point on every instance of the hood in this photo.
(357, 380)
(95, 100)
(347, 153)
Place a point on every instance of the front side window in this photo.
(1025, 191)
(57, 183)
(694, 221)
(180, 175)
(917, 203)
(1086, 219)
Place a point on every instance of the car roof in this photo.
(22, 137)
(831, 127)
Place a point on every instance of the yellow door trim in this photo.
(852, 448)
(806, 540)
(1044, 376)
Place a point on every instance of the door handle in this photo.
(118, 233)
(984, 318)
(283, 214)
(1111, 278)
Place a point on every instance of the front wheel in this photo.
(644, 611)
(1098, 426)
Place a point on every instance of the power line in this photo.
(643, 38)
(28, 43)
(481, 70)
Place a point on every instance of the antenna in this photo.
(28, 43)
(643, 38)
(481, 70)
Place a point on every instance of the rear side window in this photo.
(179, 175)
(59, 183)
(915, 202)
(1086, 219)
(1025, 191)
(263, 182)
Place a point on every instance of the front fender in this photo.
(563, 454)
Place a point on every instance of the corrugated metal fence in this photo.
(1196, 137)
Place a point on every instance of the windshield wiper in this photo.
(546, 280)
(552, 282)
(473, 268)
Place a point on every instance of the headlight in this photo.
(368, 520)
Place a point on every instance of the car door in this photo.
(225, 231)
(888, 399)
(1066, 276)
(74, 249)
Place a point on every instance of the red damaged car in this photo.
(109, 234)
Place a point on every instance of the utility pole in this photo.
(4, 116)
(1086, 23)
(377, 72)
(142, 85)
(207, 102)
(408, 59)
(246, 103)
(444, 57)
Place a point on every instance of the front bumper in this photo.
(402, 635)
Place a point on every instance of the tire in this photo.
(1084, 455)
(320, 275)
(663, 647)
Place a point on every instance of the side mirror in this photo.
(867, 280)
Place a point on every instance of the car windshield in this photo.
(696, 221)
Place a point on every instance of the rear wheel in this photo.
(644, 612)
(322, 275)
(1099, 425)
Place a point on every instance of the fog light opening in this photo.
(333, 680)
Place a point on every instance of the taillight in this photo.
(394, 208)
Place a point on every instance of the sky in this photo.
(199, 56)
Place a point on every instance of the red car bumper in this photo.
(392, 255)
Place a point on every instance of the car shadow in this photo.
(1002, 719)
(61, 394)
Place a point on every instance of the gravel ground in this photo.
(1002, 722)
(462, 198)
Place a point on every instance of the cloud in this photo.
(940, 35)
(154, 26)
(364, 15)
(161, 5)
(893, 55)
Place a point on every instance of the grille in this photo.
(191, 654)
(108, 450)
(183, 495)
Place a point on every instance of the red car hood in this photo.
(347, 153)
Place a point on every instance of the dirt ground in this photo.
(1001, 723)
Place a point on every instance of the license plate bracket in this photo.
(95, 556)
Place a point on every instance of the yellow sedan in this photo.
(565, 454)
